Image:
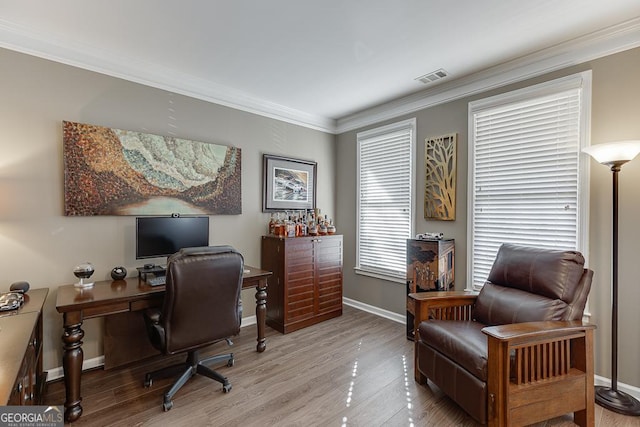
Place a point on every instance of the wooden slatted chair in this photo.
(518, 352)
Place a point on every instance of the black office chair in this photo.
(202, 306)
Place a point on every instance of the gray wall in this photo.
(40, 245)
(615, 113)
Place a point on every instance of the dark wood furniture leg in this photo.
(72, 364)
(261, 313)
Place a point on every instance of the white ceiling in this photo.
(316, 63)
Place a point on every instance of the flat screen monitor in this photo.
(161, 236)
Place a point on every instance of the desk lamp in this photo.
(614, 155)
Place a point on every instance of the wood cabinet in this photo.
(22, 379)
(430, 267)
(306, 286)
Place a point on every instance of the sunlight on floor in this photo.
(408, 393)
(354, 373)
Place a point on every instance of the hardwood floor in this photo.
(355, 370)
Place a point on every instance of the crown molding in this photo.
(76, 54)
(598, 44)
(601, 43)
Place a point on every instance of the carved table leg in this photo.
(261, 313)
(72, 365)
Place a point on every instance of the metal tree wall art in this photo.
(440, 179)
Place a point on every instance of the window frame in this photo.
(580, 81)
(362, 137)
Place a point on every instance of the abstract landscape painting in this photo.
(117, 172)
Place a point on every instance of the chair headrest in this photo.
(552, 273)
(207, 250)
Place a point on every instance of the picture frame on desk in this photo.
(288, 184)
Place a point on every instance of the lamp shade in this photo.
(614, 152)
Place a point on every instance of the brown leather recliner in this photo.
(201, 306)
(516, 353)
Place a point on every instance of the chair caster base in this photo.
(226, 388)
(166, 406)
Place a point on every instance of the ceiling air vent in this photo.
(433, 76)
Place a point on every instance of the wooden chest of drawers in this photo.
(306, 286)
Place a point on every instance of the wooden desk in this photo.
(21, 376)
(121, 296)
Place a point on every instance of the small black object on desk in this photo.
(21, 287)
(155, 270)
(118, 273)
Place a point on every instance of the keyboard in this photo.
(156, 280)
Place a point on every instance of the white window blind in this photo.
(385, 194)
(525, 172)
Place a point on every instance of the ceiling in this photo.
(316, 63)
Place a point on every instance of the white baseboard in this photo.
(56, 373)
(249, 320)
(96, 362)
(400, 318)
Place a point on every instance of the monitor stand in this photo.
(156, 270)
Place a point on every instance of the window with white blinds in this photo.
(526, 172)
(385, 196)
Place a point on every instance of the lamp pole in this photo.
(615, 168)
(615, 155)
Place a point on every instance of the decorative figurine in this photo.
(83, 271)
(118, 273)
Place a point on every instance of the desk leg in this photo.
(261, 313)
(72, 364)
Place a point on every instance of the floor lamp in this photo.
(614, 155)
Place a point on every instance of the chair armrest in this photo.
(523, 353)
(444, 305)
(155, 330)
(445, 298)
(530, 332)
(153, 315)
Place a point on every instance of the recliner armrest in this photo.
(526, 359)
(443, 305)
(536, 331)
(445, 298)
